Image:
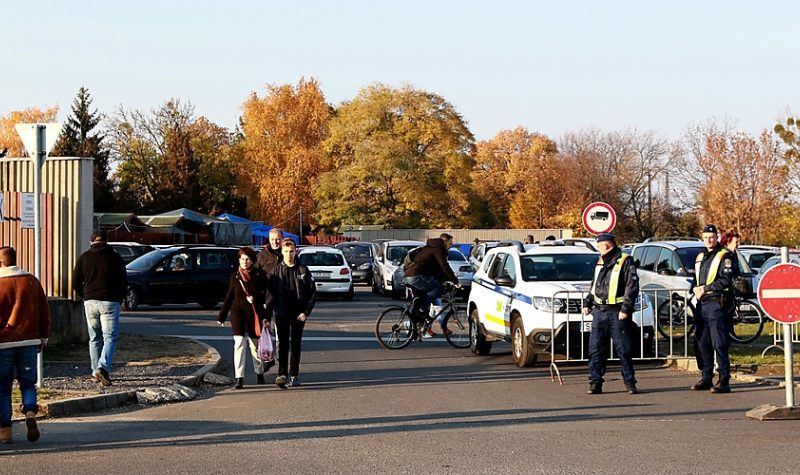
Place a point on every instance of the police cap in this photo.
(710, 228)
(604, 237)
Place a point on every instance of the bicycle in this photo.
(676, 319)
(397, 326)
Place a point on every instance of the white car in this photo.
(533, 297)
(329, 269)
(389, 259)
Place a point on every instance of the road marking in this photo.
(780, 293)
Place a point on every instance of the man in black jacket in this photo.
(429, 270)
(101, 281)
(271, 255)
(614, 292)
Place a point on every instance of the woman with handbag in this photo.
(245, 301)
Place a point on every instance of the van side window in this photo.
(497, 265)
(663, 261)
(649, 259)
(637, 255)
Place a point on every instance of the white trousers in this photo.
(238, 355)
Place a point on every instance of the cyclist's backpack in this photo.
(410, 256)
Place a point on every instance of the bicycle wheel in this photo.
(675, 319)
(748, 322)
(456, 327)
(394, 328)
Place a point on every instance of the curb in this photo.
(86, 404)
(690, 365)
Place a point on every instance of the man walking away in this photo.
(24, 327)
(101, 281)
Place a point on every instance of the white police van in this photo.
(533, 299)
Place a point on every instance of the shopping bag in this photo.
(266, 350)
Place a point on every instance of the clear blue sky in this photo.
(550, 66)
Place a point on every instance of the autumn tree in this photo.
(399, 157)
(9, 140)
(170, 158)
(80, 139)
(627, 169)
(281, 150)
(515, 173)
(738, 181)
(789, 133)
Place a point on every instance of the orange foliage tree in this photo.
(9, 140)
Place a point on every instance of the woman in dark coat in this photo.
(245, 301)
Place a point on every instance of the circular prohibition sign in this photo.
(599, 218)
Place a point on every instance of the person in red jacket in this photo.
(24, 327)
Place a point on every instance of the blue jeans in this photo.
(431, 290)
(102, 318)
(605, 324)
(23, 360)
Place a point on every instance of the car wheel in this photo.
(349, 294)
(521, 351)
(375, 288)
(384, 291)
(477, 340)
(208, 304)
(132, 299)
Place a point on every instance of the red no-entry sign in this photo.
(779, 293)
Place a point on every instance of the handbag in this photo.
(252, 305)
(266, 350)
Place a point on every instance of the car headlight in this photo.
(365, 266)
(548, 304)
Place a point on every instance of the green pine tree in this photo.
(77, 140)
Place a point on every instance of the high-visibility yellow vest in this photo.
(613, 282)
(712, 272)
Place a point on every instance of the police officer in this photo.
(611, 300)
(713, 275)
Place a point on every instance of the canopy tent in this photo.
(259, 229)
(184, 220)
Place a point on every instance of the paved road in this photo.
(426, 409)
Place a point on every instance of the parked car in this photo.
(389, 259)
(670, 265)
(757, 255)
(361, 258)
(794, 258)
(533, 299)
(180, 275)
(590, 243)
(458, 263)
(130, 250)
(330, 270)
(476, 258)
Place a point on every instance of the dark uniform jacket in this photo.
(727, 271)
(290, 291)
(242, 319)
(268, 258)
(431, 260)
(100, 275)
(628, 286)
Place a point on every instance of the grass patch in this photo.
(134, 350)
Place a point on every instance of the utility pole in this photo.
(301, 225)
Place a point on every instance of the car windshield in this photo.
(398, 253)
(355, 250)
(453, 255)
(558, 267)
(147, 261)
(314, 259)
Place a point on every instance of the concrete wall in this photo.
(67, 321)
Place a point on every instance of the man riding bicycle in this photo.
(427, 271)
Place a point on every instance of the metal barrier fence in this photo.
(777, 337)
(663, 334)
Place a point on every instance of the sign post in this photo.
(779, 296)
(38, 139)
(599, 218)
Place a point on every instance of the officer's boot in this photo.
(722, 387)
(595, 388)
(5, 435)
(702, 385)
